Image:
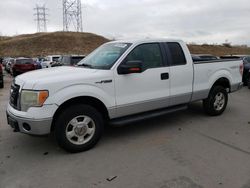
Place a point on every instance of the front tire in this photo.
(216, 102)
(78, 128)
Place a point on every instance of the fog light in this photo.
(26, 127)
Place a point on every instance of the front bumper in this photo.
(29, 126)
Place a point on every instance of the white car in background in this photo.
(49, 60)
(8, 64)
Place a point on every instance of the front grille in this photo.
(14, 96)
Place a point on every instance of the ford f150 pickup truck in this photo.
(120, 82)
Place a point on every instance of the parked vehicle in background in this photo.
(38, 62)
(22, 65)
(120, 82)
(5, 60)
(1, 76)
(68, 60)
(49, 60)
(203, 57)
(9, 62)
(246, 73)
(248, 84)
(249, 81)
(246, 63)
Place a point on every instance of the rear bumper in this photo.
(29, 126)
(236, 87)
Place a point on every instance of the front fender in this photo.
(80, 90)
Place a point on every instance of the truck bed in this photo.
(206, 74)
(214, 61)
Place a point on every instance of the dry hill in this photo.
(32, 45)
(218, 50)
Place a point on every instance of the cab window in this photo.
(177, 54)
(149, 54)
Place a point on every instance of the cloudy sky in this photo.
(199, 21)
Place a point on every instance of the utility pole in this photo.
(72, 15)
(40, 14)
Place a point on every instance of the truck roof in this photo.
(135, 41)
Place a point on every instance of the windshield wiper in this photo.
(85, 65)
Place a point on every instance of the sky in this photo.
(194, 21)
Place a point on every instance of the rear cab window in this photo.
(175, 53)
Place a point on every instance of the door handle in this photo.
(164, 76)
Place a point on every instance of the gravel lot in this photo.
(187, 149)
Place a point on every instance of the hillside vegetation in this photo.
(41, 44)
(32, 45)
(219, 50)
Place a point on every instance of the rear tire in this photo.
(216, 102)
(78, 128)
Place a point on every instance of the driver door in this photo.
(145, 91)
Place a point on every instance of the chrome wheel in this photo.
(219, 101)
(80, 130)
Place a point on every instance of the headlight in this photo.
(32, 99)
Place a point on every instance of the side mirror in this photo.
(130, 67)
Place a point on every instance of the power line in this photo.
(41, 18)
(72, 15)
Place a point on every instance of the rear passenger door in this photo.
(180, 74)
(148, 90)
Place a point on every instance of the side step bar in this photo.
(146, 115)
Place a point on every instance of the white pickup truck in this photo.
(120, 82)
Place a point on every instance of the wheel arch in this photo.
(224, 82)
(92, 101)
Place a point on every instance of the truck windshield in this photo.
(105, 56)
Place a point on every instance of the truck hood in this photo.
(56, 75)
